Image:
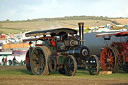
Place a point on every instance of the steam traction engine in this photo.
(59, 49)
(115, 56)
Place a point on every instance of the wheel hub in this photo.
(108, 60)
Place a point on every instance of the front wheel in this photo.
(93, 65)
(70, 65)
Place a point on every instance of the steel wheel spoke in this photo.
(70, 66)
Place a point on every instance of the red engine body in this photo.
(123, 50)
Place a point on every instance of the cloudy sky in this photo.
(31, 9)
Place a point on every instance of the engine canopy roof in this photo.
(118, 34)
(51, 32)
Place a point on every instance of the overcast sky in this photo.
(31, 9)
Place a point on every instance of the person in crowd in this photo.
(14, 61)
(3, 61)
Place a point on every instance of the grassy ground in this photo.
(18, 75)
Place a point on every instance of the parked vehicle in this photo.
(115, 55)
(59, 49)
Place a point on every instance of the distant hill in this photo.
(121, 21)
(52, 23)
(80, 18)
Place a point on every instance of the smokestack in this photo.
(81, 31)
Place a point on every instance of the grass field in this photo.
(18, 75)
(122, 21)
(20, 26)
(70, 22)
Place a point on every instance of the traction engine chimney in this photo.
(81, 31)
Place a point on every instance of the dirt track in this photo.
(20, 76)
(59, 81)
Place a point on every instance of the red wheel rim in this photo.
(107, 59)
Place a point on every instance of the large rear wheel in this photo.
(39, 60)
(109, 59)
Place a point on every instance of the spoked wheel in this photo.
(39, 60)
(70, 65)
(109, 59)
(93, 65)
(28, 61)
(52, 64)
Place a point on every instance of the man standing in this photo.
(14, 61)
(3, 61)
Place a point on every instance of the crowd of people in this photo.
(11, 62)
